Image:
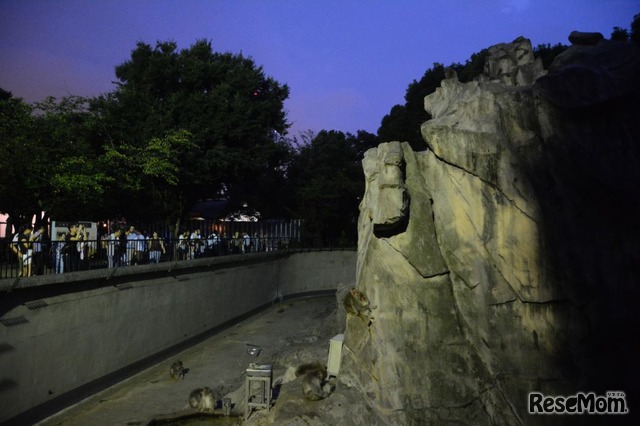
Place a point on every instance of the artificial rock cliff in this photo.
(504, 258)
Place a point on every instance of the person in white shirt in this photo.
(195, 244)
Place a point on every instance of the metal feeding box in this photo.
(258, 387)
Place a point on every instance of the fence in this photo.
(218, 238)
(55, 257)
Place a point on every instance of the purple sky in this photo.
(346, 62)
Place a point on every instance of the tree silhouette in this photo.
(226, 105)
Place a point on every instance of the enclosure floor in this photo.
(290, 333)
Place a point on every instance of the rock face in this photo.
(503, 259)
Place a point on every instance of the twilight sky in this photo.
(347, 62)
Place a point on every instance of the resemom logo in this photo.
(613, 402)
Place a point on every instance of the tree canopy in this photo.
(181, 125)
(189, 124)
(48, 161)
(328, 183)
(16, 176)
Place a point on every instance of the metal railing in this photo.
(57, 257)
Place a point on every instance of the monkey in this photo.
(202, 399)
(357, 303)
(177, 371)
(450, 73)
(313, 381)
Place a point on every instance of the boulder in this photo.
(513, 64)
(587, 76)
(585, 39)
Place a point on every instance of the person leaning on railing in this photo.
(112, 245)
(16, 251)
(59, 253)
(21, 246)
(38, 250)
(77, 234)
(141, 248)
(156, 246)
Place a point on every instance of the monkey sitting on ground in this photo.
(202, 399)
(313, 381)
(356, 303)
(177, 371)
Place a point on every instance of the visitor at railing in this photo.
(38, 250)
(76, 234)
(58, 252)
(156, 248)
(183, 245)
(131, 237)
(196, 247)
(21, 246)
(113, 247)
(213, 245)
(140, 248)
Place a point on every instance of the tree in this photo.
(328, 184)
(225, 103)
(634, 36)
(547, 53)
(48, 162)
(404, 121)
(619, 34)
(72, 182)
(622, 34)
(155, 170)
(16, 126)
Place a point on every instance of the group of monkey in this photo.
(201, 399)
(313, 375)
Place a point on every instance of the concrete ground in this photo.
(289, 334)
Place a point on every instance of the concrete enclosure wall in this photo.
(60, 333)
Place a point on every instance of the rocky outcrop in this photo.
(502, 260)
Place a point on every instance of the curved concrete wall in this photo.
(61, 333)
